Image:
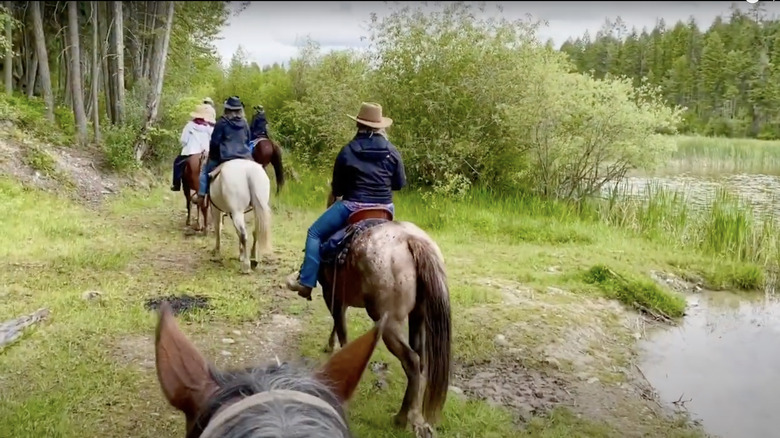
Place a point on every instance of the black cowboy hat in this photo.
(233, 103)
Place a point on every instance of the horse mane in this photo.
(273, 418)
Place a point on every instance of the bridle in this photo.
(260, 398)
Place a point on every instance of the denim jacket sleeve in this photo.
(398, 180)
(337, 182)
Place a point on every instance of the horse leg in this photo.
(410, 361)
(243, 254)
(340, 322)
(189, 206)
(204, 211)
(216, 217)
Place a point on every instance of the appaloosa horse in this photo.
(394, 268)
(265, 152)
(240, 186)
(278, 400)
(190, 186)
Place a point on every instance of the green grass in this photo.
(71, 376)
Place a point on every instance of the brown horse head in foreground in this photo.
(278, 400)
(265, 152)
(394, 268)
(190, 186)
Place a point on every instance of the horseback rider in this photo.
(366, 172)
(212, 109)
(228, 142)
(259, 125)
(194, 140)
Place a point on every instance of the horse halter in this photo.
(233, 410)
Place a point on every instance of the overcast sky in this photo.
(270, 31)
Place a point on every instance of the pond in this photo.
(723, 362)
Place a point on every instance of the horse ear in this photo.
(343, 370)
(183, 372)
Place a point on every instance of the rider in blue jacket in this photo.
(366, 172)
(228, 141)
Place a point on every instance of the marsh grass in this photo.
(698, 155)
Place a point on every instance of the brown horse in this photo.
(267, 151)
(394, 268)
(278, 400)
(190, 183)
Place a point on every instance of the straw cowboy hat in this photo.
(203, 111)
(208, 101)
(370, 114)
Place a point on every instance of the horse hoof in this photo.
(423, 431)
(400, 420)
(253, 264)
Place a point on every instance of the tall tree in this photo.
(95, 70)
(76, 79)
(162, 40)
(119, 61)
(43, 59)
(9, 51)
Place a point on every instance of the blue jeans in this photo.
(178, 170)
(203, 181)
(332, 220)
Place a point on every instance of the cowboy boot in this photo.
(294, 284)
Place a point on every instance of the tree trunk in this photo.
(9, 53)
(43, 59)
(119, 50)
(32, 75)
(158, 73)
(95, 72)
(104, 24)
(149, 46)
(76, 79)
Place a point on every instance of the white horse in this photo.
(239, 186)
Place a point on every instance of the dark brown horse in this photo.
(190, 183)
(280, 399)
(394, 268)
(268, 152)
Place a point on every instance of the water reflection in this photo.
(726, 358)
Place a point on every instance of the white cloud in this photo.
(271, 31)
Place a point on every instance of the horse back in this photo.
(264, 150)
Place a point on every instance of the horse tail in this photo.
(433, 297)
(276, 161)
(262, 213)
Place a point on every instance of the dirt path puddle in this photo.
(721, 364)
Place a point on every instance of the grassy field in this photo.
(529, 273)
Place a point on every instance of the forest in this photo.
(727, 75)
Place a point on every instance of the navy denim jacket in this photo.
(368, 170)
(229, 140)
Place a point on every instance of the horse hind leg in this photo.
(410, 361)
(243, 253)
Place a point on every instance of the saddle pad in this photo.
(336, 247)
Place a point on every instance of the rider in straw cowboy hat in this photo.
(366, 172)
(212, 109)
(228, 141)
(194, 139)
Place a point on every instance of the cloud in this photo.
(272, 31)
